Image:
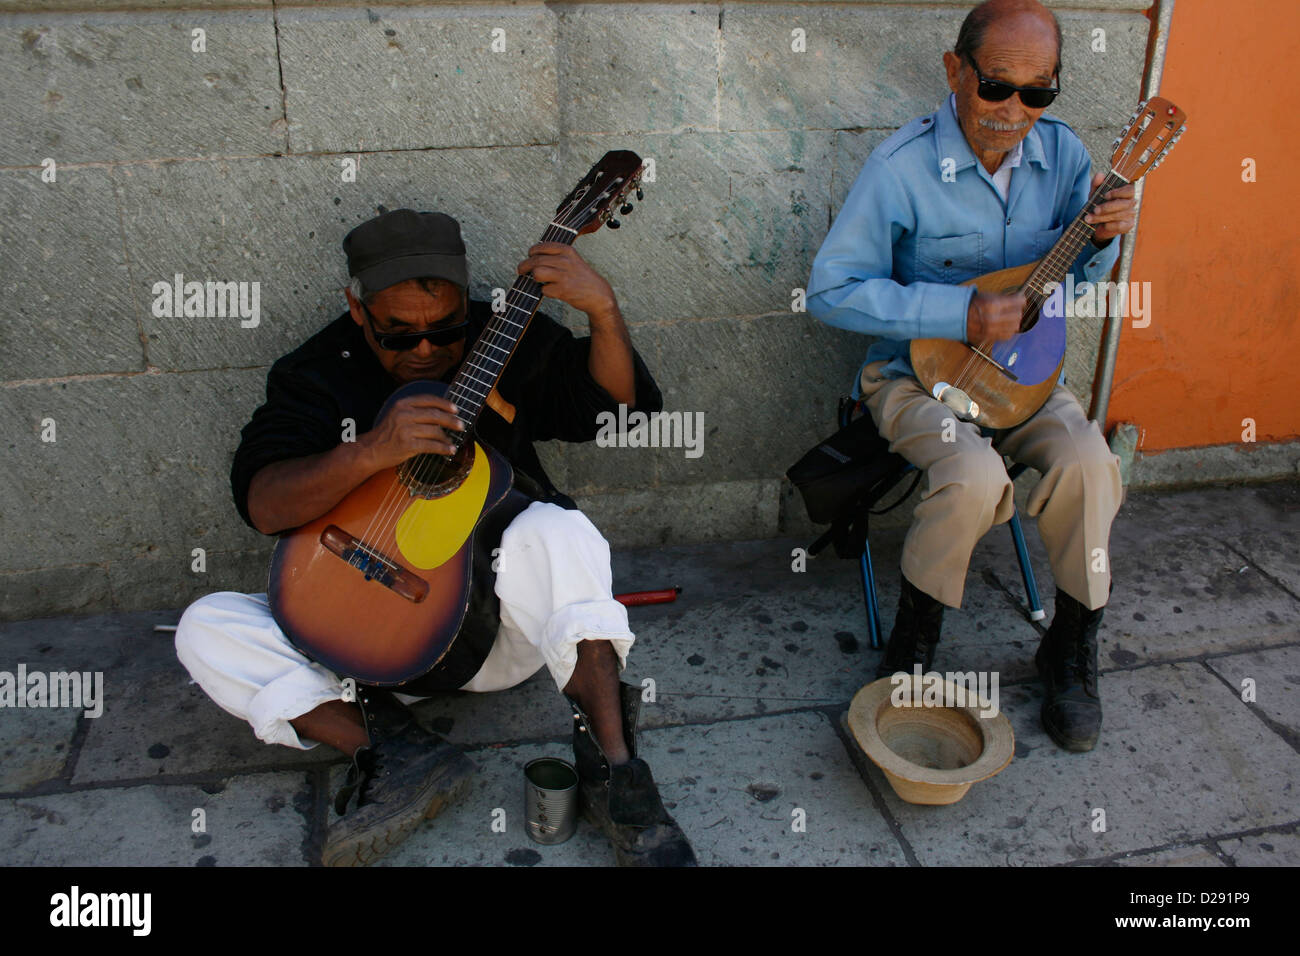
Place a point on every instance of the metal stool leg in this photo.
(869, 596)
(1036, 612)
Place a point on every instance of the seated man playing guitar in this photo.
(541, 580)
(985, 183)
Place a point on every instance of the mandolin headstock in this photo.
(606, 186)
(1144, 143)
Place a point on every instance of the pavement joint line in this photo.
(313, 841)
(994, 580)
(1270, 578)
(859, 760)
(52, 785)
(1282, 828)
(1218, 851)
(1281, 730)
(79, 735)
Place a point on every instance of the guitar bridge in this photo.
(996, 364)
(375, 566)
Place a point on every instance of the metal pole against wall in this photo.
(1164, 13)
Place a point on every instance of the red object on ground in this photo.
(635, 598)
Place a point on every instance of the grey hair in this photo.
(360, 293)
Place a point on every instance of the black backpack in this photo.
(843, 477)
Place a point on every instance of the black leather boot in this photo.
(622, 800)
(1067, 664)
(915, 634)
(407, 774)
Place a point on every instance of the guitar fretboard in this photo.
(480, 371)
(1054, 266)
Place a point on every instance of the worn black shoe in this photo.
(1067, 664)
(406, 775)
(622, 800)
(915, 634)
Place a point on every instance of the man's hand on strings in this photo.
(414, 425)
(993, 318)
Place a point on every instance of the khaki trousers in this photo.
(966, 489)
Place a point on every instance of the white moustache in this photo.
(1003, 127)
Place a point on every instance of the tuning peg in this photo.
(625, 208)
(613, 224)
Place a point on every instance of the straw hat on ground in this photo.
(929, 754)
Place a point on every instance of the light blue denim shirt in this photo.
(890, 264)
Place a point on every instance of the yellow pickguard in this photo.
(431, 530)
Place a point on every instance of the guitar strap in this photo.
(500, 405)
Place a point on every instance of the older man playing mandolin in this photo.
(985, 183)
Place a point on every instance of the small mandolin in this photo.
(1000, 384)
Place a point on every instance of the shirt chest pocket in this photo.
(949, 259)
(1044, 239)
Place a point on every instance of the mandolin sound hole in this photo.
(434, 476)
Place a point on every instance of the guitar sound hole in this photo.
(434, 476)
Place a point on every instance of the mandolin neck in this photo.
(1054, 266)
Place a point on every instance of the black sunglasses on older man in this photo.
(995, 91)
(404, 341)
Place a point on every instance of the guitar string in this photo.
(975, 365)
(384, 522)
(1057, 259)
(463, 395)
(525, 286)
(1077, 235)
(977, 368)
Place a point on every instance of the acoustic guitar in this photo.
(1001, 384)
(376, 589)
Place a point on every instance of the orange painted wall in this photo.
(1222, 255)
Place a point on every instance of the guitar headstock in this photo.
(1144, 143)
(606, 187)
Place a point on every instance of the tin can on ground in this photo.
(550, 799)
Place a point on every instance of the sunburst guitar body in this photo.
(377, 588)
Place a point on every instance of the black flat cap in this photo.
(404, 244)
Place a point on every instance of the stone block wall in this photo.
(227, 163)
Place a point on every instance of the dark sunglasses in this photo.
(995, 91)
(404, 341)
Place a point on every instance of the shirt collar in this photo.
(951, 143)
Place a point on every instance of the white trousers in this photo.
(554, 583)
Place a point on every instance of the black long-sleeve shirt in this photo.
(334, 376)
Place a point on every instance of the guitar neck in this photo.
(1054, 266)
(482, 368)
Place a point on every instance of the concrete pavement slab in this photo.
(254, 820)
(1264, 849)
(1179, 758)
(773, 791)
